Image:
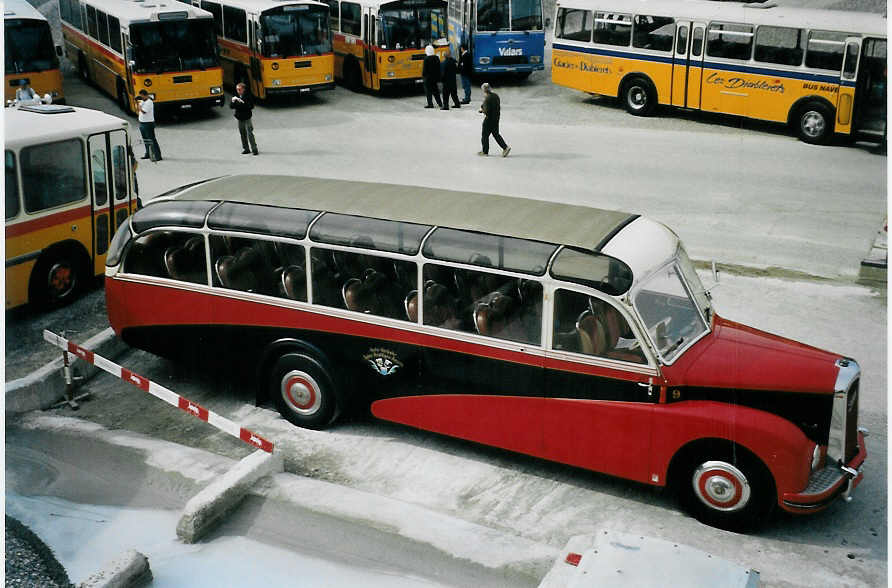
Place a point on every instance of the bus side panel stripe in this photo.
(45, 222)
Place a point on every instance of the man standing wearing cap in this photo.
(491, 109)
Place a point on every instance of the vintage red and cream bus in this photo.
(573, 334)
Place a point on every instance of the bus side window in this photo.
(575, 24)
(272, 268)
(53, 174)
(654, 32)
(168, 254)
(484, 303)
(730, 41)
(12, 187)
(781, 45)
(588, 325)
(235, 25)
(362, 282)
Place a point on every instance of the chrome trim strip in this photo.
(22, 258)
(849, 372)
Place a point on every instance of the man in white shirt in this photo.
(147, 126)
(26, 94)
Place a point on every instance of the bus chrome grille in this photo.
(852, 422)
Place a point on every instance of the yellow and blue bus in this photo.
(70, 184)
(29, 53)
(274, 47)
(123, 46)
(380, 44)
(820, 71)
(503, 36)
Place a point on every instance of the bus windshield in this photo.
(410, 27)
(174, 45)
(493, 15)
(669, 312)
(295, 30)
(526, 15)
(29, 46)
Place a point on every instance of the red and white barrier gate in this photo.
(161, 392)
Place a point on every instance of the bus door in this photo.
(256, 88)
(128, 68)
(98, 156)
(870, 90)
(121, 194)
(845, 106)
(466, 24)
(687, 69)
(369, 74)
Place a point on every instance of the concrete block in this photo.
(128, 570)
(222, 496)
(874, 266)
(46, 386)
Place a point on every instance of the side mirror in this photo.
(131, 64)
(715, 281)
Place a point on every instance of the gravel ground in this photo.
(29, 562)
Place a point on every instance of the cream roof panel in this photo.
(21, 9)
(23, 128)
(258, 6)
(128, 11)
(551, 222)
(866, 23)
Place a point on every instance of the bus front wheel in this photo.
(728, 489)
(815, 123)
(303, 391)
(639, 96)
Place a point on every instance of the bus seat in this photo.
(592, 334)
(186, 262)
(235, 274)
(439, 307)
(482, 318)
(411, 306)
(294, 282)
(351, 292)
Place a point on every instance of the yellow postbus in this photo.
(69, 184)
(820, 71)
(30, 55)
(380, 44)
(123, 46)
(275, 47)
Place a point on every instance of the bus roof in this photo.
(552, 222)
(23, 127)
(379, 3)
(129, 11)
(21, 9)
(764, 13)
(258, 6)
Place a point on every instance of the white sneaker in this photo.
(506, 151)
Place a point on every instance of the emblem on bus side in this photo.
(383, 361)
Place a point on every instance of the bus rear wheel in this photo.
(56, 279)
(639, 96)
(303, 391)
(82, 68)
(815, 123)
(123, 100)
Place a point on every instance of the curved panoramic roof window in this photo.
(370, 233)
(602, 272)
(495, 251)
(273, 220)
(182, 213)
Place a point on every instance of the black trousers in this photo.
(431, 89)
(453, 92)
(491, 127)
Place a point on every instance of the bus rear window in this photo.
(494, 251)
(271, 220)
(369, 233)
(53, 174)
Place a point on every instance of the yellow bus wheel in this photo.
(814, 123)
(56, 279)
(639, 96)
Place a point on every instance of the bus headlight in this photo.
(535, 59)
(391, 74)
(147, 82)
(216, 90)
(327, 77)
(277, 82)
(484, 60)
(391, 59)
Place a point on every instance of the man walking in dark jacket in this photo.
(491, 109)
(243, 104)
(466, 68)
(450, 68)
(430, 74)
